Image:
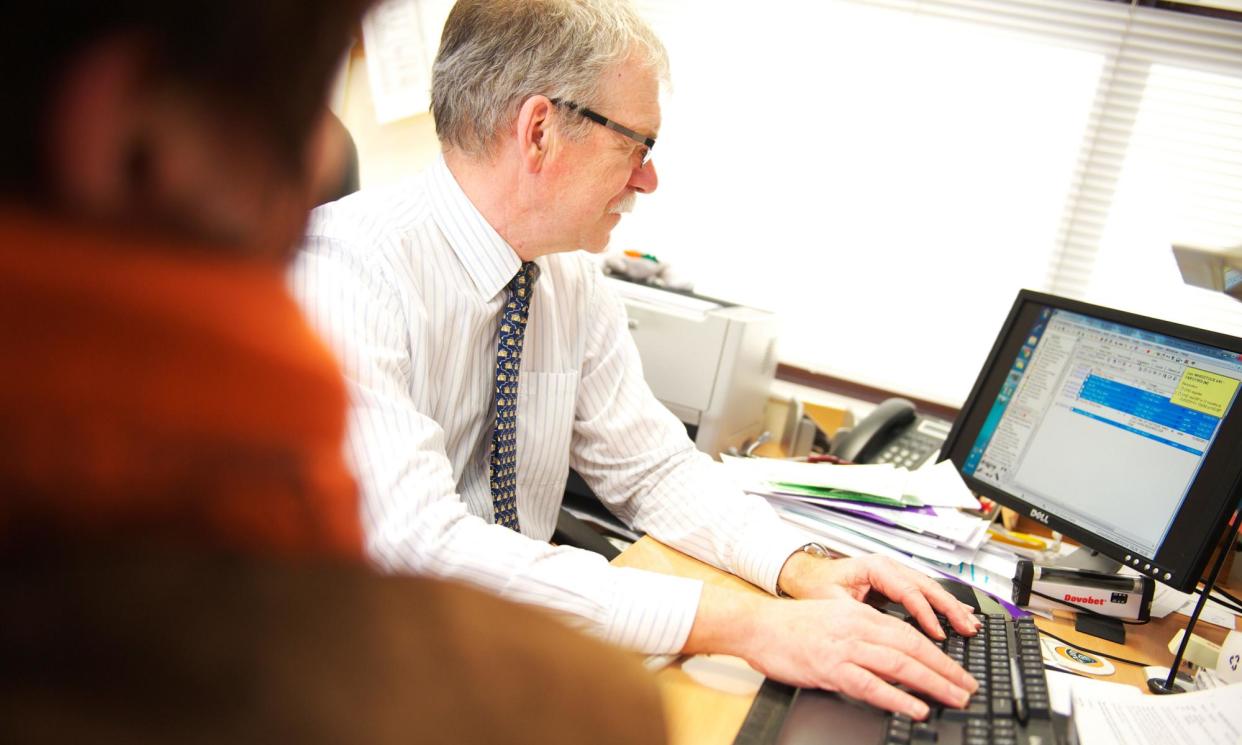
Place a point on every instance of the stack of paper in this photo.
(885, 484)
(913, 516)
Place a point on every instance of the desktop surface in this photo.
(700, 715)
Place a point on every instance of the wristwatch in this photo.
(818, 550)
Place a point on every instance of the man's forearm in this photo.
(725, 622)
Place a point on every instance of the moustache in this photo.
(624, 204)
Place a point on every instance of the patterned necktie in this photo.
(502, 473)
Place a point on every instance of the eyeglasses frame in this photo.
(600, 119)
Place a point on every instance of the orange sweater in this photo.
(166, 393)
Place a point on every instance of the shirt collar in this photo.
(487, 258)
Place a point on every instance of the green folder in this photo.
(844, 495)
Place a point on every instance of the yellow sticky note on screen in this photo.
(1205, 391)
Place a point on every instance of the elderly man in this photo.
(181, 555)
(487, 357)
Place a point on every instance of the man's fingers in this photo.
(892, 665)
(909, 588)
(917, 604)
(920, 595)
(889, 632)
(861, 684)
(962, 616)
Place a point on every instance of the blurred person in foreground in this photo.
(181, 552)
(487, 357)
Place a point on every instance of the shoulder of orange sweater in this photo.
(165, 393)
(222, 648)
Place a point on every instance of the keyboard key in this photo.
(1011, 705)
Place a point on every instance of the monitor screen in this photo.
(1120, 431)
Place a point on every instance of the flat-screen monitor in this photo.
(1122, 432)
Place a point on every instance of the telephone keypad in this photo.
(910, 449)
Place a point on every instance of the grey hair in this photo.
(494, 54)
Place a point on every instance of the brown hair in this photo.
(268, 62)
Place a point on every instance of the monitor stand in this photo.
(1110, 629)
(1088, 560)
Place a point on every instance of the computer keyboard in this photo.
(1011, 706)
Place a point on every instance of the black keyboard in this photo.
(1011, 706)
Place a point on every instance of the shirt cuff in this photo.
(764, 551)
(653, 612)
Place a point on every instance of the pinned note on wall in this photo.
(400, 38)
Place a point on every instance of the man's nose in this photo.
(644, 178)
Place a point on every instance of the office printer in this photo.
(710, 362)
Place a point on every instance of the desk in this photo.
(698, 715)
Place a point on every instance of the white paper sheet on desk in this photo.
(940, 485)
(942, 522)
(1213, 612)
(1104, 715)
(882, 480)
(1062, 685)
(991, 569)
(997, 560)
(1167, 600)
(976, 576)
(852, 544)
(869, 538)
(834, 537)
(937, 485)
(899, 538)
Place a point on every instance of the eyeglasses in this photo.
(647, 143)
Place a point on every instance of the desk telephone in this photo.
(893, 433)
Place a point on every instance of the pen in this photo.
(829, 459)
(1019, 692)
(1014, 538)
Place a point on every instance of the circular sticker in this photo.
(1080, 661)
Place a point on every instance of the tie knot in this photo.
(526, 276)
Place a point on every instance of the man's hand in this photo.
(836, 644)
(805, 576)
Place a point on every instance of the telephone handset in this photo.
(893, 433)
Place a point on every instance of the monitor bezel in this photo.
(1209, 503)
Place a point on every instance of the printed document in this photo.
(1209, 716)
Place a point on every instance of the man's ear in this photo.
(93, 127)
(535, 137)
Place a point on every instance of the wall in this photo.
(386, 152)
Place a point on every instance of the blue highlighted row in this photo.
(1148, 435)
(1149, 406)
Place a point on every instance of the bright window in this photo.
(886, 175)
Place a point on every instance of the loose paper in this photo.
(1104, 716)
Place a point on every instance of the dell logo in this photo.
(1039, 515)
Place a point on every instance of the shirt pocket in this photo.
(546, 403)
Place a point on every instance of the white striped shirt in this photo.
(407, 284)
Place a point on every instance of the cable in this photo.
(1094, 652)
(1230, 602)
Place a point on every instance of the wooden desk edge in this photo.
(699, 715)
